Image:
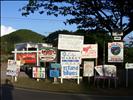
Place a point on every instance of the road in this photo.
(10, 93)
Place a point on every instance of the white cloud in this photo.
(6, 30)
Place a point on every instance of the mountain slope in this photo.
(19, 36)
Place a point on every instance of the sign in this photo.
(115, 52)
(117, 33)
(55, 65)
(117, 38)
(107, 70)
(27, 58)
(48, 54)
(13, 68)
(90, 51)
(129, 65)
(70, 42)
(70, 72)
(38, 72)
(70, 58)
(88, 68)
(54, 73)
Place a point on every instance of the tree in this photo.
(89, 15)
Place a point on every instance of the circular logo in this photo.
(115, 49)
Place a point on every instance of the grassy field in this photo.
(69, 86)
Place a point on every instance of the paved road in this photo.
(10, 93)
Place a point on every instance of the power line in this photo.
(32, 19)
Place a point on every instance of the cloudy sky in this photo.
(11, 20)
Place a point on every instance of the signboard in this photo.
(54, 73)
(70, 42)
(70, 71)
(70, 58)
(48, 54)
(115, 52)
(107, 70)
(13, 68)
(27, 58)
(90, 51)
(38, 72)
(117, 38)
(88, 68)
(129, 65)
(55, 65)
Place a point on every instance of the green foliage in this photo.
(88, 14)
(19, 36)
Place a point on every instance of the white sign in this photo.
(13, 68)
(117, 38)
(70, 58)
(70, 72)
(38, 72)
(129, 65)
(115, 52)
(107, 70)
(70, 42)
(90, 51)
(88, 68)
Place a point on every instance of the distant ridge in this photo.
(19, 36)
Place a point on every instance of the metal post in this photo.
(126, 77)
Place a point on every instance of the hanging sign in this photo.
(38, 72)
(115, 52)
(48, 54)
(70, 58)
(70, 42)
(90, 51)
(88, 68)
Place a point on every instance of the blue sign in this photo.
(55, 65)
(54, 73)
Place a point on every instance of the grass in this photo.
(69, 86)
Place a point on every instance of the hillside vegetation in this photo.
(19, 36)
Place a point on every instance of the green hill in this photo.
(19, 36)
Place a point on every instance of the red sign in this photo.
(27, 57)
(48, 54)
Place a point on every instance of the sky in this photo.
(12, 20)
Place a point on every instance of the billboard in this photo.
(70, 42)
(48, 54)
(90, 51)
(88, 68)
(106, 70)
(70, 58)
(38, 72)
(115, 52)
(13, 68)
(27, 58)
(70, 71)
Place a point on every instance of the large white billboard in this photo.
(70, 42)
(90, 51)
(115, 52)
